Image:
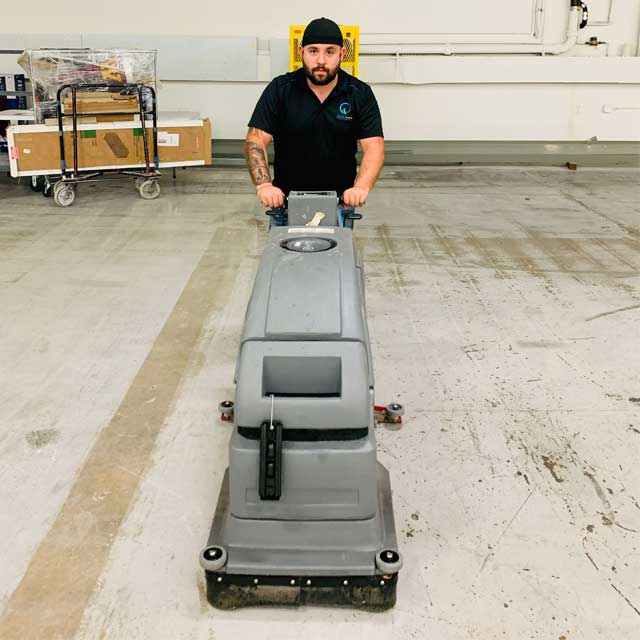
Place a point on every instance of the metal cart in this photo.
(64, 190)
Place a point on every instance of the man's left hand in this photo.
(355, 197)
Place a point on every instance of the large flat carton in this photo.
(35, 149)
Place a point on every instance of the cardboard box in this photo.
(53, 122)
(100, 101)
(35, 149)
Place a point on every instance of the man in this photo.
(315, 117)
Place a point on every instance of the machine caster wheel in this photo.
(148, 188)
(395, 410)
(64, 194)
(391, 414)
(226, 410)
(388, 561)
(213, 558)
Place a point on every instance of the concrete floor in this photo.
(504, 308)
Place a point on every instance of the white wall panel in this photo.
(451, 112)
(252, 17)
(544, 112)
(499, 70)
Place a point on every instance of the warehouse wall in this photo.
(215, 58)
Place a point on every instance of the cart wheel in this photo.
(47, 188)
(37, 184)
(149, 189)
(139, 181)
(64, 194)
(389, 561)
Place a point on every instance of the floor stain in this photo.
(586, 553)
(12, 279)
(624, 598)
(202, 593)
(600, 493)
(613, 247)
(608, 313)
(256, 222)
(633, 232)
(538, 255)
(551, 464)
(42, 437)
(558, 250)
(446, 244)
(488, 255)
(384, 234)
(514, 249)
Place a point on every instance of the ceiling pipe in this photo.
(448, 49)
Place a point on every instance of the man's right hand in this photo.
(269, 195)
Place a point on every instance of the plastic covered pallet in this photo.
(51, 68)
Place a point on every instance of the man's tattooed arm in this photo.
(255, 152)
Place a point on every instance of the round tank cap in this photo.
(308, 244)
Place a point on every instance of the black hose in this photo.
(585, 12)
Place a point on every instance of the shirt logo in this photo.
(343, 111)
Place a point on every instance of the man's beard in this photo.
(330, 75)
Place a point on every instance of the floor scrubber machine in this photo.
(305, 514)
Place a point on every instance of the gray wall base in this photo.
(496, 153)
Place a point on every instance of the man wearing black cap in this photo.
(315, 117)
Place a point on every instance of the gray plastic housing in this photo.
(317, 385)
(307, 296)
(306, 547)
(320, 480)
(305, 352)
(303, 206)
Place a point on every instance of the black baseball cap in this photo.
(322, 31)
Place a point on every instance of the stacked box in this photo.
(14, 82)
(10, 82)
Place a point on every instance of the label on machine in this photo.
(322, 230)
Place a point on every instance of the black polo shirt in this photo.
(315, 142)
